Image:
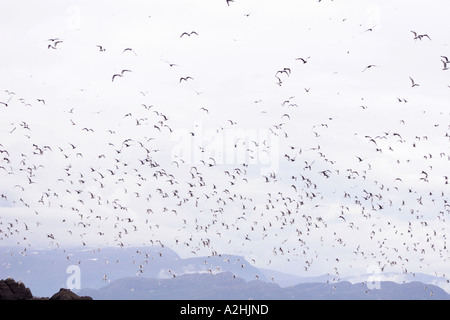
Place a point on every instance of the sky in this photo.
(299, 139)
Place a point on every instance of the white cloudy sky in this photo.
(323, 115)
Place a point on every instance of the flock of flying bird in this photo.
(208, 202)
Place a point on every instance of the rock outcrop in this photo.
(66, 294)
(13, 290)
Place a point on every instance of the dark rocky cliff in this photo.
(13, 290)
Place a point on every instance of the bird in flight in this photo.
(303, 60)
(55, 43)
(169, 63)
(420, 36)
(285, 70)
(445, 61)
(186, 78)
(100, 48)
(129, 49)
(188, 34)
(369, 66)
(370, 29)
(4, 103)
(121, 74)
(413, 84)
(228, 2)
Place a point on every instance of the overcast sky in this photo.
(333, 163)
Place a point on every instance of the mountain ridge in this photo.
(225, 286)
(48, 270)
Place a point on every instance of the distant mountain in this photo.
(441, 282)
(48, 270)
(225, 286)
(196, 286)
(287, 279)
